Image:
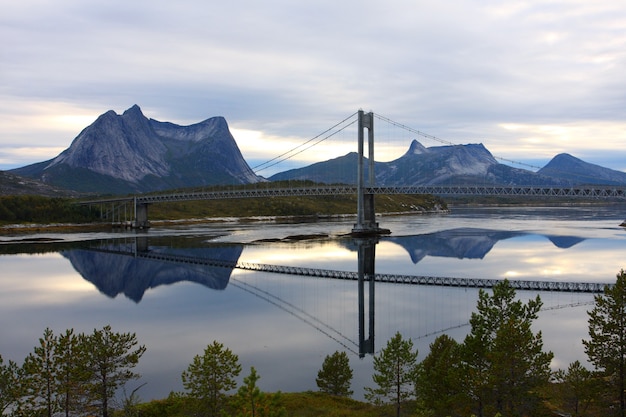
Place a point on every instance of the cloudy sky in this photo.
(528, 79)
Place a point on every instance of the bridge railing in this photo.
(594, 192)
(494, 190)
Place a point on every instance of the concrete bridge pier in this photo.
(141, 216)
(366, 213)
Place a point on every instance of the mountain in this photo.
(459, 164)
(465, 243)
(115, 273)
(130, 153)
(568, 168)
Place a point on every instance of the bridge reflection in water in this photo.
(133, 266)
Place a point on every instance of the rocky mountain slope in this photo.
(131, 153)
(11, 184)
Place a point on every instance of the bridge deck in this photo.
(594, 192)
(584, 192)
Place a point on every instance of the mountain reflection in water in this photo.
(115, 268)
(465, 243)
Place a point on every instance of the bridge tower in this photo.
(366, 215)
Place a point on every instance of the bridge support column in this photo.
(366, 214)
(141, 216)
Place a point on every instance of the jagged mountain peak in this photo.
(213, 127)
(133, 110)
(416, 148)
(131, 153)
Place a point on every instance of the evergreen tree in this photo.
(9, 385)
(72, 372)
(606, 347)
(438, 383)
(110, 359)
(251, 402)
(395, 373)
(578, 388)
(503, 360)
(336, 375)
(40, 377)
(211, 375)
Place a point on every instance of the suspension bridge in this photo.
(134, 209)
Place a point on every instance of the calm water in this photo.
(285, 325)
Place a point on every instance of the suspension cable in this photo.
(282, 157)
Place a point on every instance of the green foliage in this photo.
(438, 387)
(291, 206)
(319, 404)
(606, 347)
(40, 377)
(336, 375)
(578, 388)
(503, 361)
(175, 405)
(396, 372)
(110, 359)
(251, 402)
(10, 390)
(211, 375)
(37, 209)
(70, 373)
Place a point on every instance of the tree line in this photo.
(70, 374)
(38, 209)
(500, 369)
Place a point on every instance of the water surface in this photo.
(285, 325)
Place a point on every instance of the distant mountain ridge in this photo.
(131, 153)
(573, 170)
(470, 164)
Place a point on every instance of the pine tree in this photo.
(211, 375)
(111, 357)
(70, 360)
(396, 372)
(10, 387)
(578, 388)
(336, 375)
(251, 402)
(438, 384)
(606, 348)
(503, 360)
(40, 377)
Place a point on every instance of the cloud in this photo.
(460, 70)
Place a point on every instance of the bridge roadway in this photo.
(597, 192)
(523, 285)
